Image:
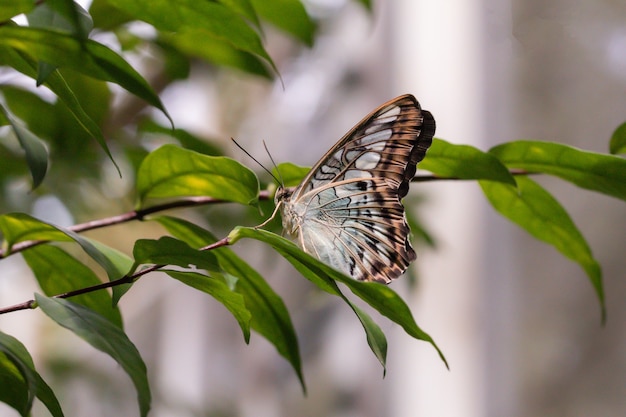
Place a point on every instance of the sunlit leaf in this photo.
(171, 171)
(594, 171)
(104, 336)
(290, 174)
(464, 162)
(536, 211)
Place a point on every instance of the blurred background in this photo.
(518, 323)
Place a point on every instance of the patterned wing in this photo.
(347, 211)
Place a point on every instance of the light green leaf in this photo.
(535, 210)
(269, 314)
(290, 174)
(18, 370)
(464, 162)
(593, 171)
(379, 296)
(618, 140)
(20, 227)
(218, 289)
(12, 8)
(87, 57)
(171, 171)
(34, 148)
(104, 336)
(288, 15)
(58, 272)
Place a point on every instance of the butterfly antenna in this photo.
(260, 164)
(282, 181)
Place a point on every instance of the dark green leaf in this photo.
(57, 272)
(171, 171)
(63, 16)
(87, 57)
(122, 263)
(104, 336)
(170, 251)
(14, 391)
(288, 15)
(379, 296)
(593, 171)
(618, 140)
(536, 211)
(269, 314)
(465, 162)
(16, 365)
(34, 148)
(218, 289)
(12, 8)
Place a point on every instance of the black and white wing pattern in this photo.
(348, 211)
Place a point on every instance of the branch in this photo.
(139, 215)
(126, 279)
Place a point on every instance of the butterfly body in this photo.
(347, 211)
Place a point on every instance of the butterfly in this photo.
(347, 211)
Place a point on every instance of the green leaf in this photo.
(535, 210)
(218, 289)
(379, 296)
(63, 16)
(288, 15)
(57, 83)
(122, 264)
(58, 272)
(16, 366)
(593, 171)
(290, 174)
(186, 139)
(464, 162)
(206, 18)
(269, 314)
(34, 148)
(104, 336)
(12, 8)
(245, 9)
(171, 171)
(170, 251)
(87, 57)
(618, 140)
(215, 50)
(20, 227)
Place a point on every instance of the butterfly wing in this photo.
(347, 211)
